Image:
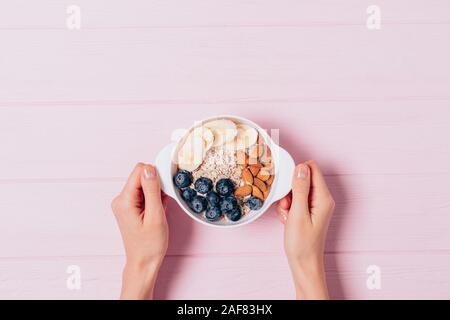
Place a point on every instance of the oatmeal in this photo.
(219, 163)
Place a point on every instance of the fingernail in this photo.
(149, 173)
(302, 172)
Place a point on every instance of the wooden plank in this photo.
(225, 64)
(74, 218)
(403, 276)
(78, 109)
(85, 142)
(172, 13)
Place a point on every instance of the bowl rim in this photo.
(267, 203)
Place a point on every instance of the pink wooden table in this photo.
(79, 107)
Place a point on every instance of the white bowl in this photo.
(283, 164)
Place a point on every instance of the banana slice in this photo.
(206, 135)
(223, 130)
(246, 137)
(188, 164)
(192, 153)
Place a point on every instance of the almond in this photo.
(265, 155)
(266, 194)
(268, 152)
(260, 140)
(264, 174)
(270, 180)
(257, 193)
(269, 167)
(247, 176)
(241, 158)
(254, 169)
(261, 185)
(243, 191)
(253, 154)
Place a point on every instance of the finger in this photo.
(282, 213)
(301, 182)
(317, 179)
(152, 192)
(285, 203)
(283, 207)
(133, 185)
(321, 193)
(164, 200)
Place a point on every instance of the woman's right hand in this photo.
(306, 213)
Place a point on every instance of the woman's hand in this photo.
(306, 214)
(140, 213)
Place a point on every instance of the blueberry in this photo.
(198, 204)
(228, 204)
(254, 203)
(213, 213)
(235, 214)
(213, 198)
(203, 185)
(224, 187)
(182, 179)
(188, 194)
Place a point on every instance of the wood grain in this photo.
(79, 108)
(371, 209)
(403, 276)
(89, 141)
(105, 14)
(200, 64)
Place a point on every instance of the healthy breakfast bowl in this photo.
(225, 171)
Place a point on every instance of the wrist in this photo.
(138, 279)
(141, 268)
(309, 278)
(143, 265)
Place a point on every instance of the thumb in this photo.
(301, 182)
(152, 191)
